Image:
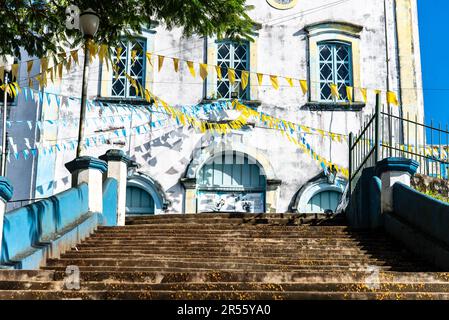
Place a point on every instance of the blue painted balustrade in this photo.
(110, 202)
(47, 228)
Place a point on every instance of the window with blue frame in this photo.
(335, 67)
(234, 55)
(130, 59)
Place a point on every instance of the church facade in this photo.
(371, 44)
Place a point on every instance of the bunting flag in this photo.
(14, 71)
(304, 86)
(289, 81)
(2, 73)
(160, 62)
(176, 64)
(392, 98)
(134, 55)
(260, 78)
(203, 71)
(349, 93)
(231, 75)
(274, 82)
(29, 67)
(191, 68)
(218, 70)
(74, 55)
(364, 93)
(334, 91)
(149, 58)
(245, 79)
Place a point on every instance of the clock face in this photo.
(282, 4)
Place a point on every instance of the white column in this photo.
(391, 171)
(90, 171)
(118, 164)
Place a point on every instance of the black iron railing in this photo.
(388, 133)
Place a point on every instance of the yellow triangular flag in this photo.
(260, 78)
(349, 92)
(60, 70)
(134, 55)
(29, 67)
(231, 75)
(245, 79)
(14, 71)
(334, 91)
(176, 64)
(2, 74)
(364, 93)
(304, 86)
(160, 62)
(74, 55)
(149, 58)
(392, 99)
(218, 70)
(290, 81)
(44, 64)
(191, 68)
(203, 71)
(30, 82)
(103, 52)
(274, 82)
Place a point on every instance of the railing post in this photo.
(377, 145)
(350, 142)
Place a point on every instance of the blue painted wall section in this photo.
(42, 230)
(363, 211)
(110, 202)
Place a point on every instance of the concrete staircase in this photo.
(222, 256)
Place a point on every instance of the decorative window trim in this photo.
(211, 84)
(329, 31)
(107, 74)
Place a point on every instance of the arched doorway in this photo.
(324, 201)
(231, 182)
(320, 195)
(144, 196)
(138, 201)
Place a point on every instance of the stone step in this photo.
(218, 295)
(265, 252)
(222, 225)
(148, 261)
(209, 268)
(26, 275)
(306, 276)
(220, 255)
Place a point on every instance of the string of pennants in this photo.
(203, 70)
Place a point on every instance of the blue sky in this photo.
(434, 25)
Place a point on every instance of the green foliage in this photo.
(39, 27)
(434, 194)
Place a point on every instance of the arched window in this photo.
(323, 201)
(231, 182)
(138, 201)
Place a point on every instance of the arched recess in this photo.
(255, 163)
(320, 195)
(146, 196)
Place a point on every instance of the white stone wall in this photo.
(281, 50)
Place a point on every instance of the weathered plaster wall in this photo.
(281, 48)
